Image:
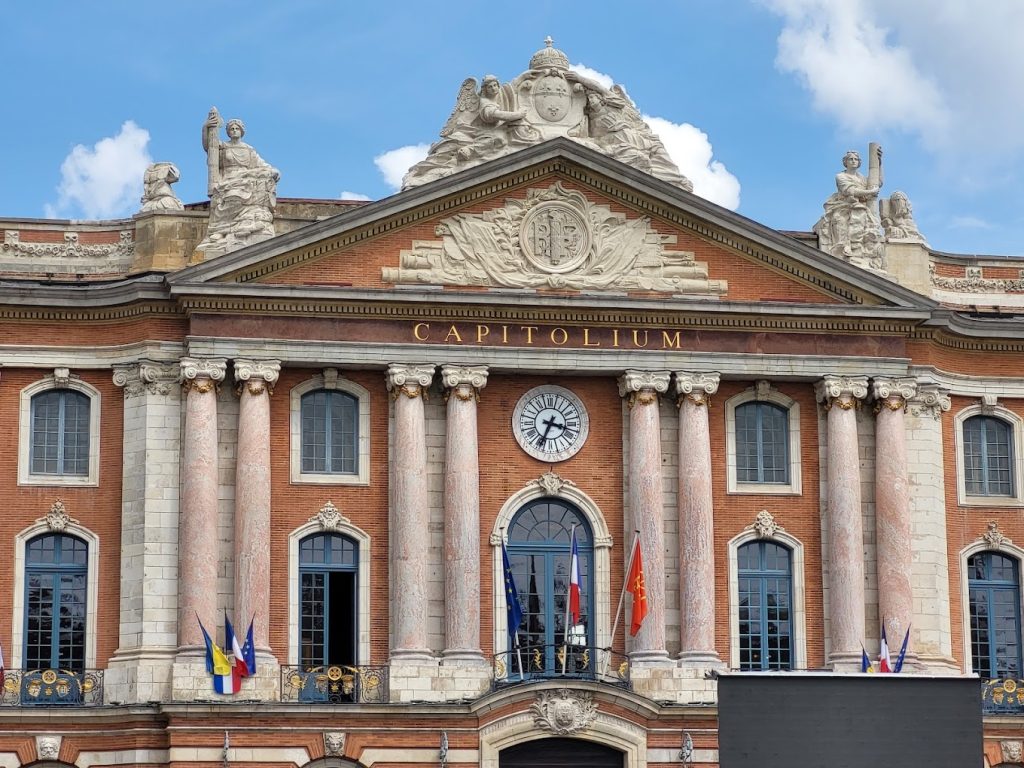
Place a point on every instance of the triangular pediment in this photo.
(554, 217)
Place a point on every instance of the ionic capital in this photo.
(474, 376)
(843, 391)
(696, 387)
(893, 393)
(409, 380)
(202, 375)
(930, 400)
(257, 376)
(146, 376)
(643, 387)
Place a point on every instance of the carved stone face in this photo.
(490, 88)
(235, 129)
(851, 161)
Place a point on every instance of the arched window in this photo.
(765, 594)
(994, 595)
(988, 456)
(762, 443)
(330, 432)
(328, 601)
(539, 541)
(59, 437)
(56, 569)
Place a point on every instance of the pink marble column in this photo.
(840, 396)
(410, 513)
(197, 524)
(462, 514)
(696, 522)
(646, 503)
(256, 380)
(892, 508)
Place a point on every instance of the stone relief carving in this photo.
(257, 375)
(931, 400)
(850, 228)
(563, 711)
(896, 392)
(71, 248)
(1012, 751)
(58, 519)
(48, 747)
(546, 101)
(334, 743)
(897, 216)
(62, 376)
(552, 483)
(844, 391)
(329, 517)
(973, 282)
(157, 194)
(993, 537)
(242, 188)
(555, 238)
(762, 389)
(764, 525)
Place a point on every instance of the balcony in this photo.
(1002, 697)
(335, 685)
(555, 662)
(52, 688)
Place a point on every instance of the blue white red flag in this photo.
(574, 582)
(884, 662)
(238, 665)
(225, 678)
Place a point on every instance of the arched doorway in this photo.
(560, 753)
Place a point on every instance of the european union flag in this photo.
(512, 606)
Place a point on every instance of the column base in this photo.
(139, 676)
(191, 682)
(929, 664)
(657, 658)
(845, 661)
(701, 660)
(463, 657)
(413, 656)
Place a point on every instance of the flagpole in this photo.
(568, 596)
(622, 600)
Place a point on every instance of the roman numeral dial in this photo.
(550, 423)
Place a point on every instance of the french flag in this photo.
(574, 582)
(884, 662)
(240, 668)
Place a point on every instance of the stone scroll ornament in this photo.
(850, 228)
(242, 188)
(547, 101)
(555, 238)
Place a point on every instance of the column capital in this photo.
(474, 376)
(410, 380)
(893, 393)
(146, 376)
(633, 381)
(931, 399)
(257, 375)
(697, 387)
(843, 391)
(194, 370)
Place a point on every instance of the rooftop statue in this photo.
(157, 194)
(898, 219)
(546, 101)
(850, 228)
(242, 188)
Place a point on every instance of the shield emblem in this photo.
(552, 98)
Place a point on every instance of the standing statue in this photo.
(242, 188)
(898, 219)
(157, 194)
(850, 228)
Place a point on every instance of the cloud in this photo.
(592, 74)
(346, 195)
(690, 149)
(941, 69)
(106, 180)
(969, 222)
(394, 163)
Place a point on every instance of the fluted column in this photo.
(462, 514)
(696, 521)
(197, 532)
(410, 513)
(646, 500)
(841, 396)
(256, 379)
(892, 507)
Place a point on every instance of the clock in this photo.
(550, 423)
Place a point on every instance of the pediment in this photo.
(555, 217)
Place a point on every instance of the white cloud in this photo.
(969, 222)
(106, 180)
(592, 74)
(394, 163)
(346, 195)
(690, 149)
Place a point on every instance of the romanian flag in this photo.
(225, 680)
(865, 662)
(636, 587)
(574, 582)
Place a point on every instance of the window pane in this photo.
(762, 443)
(765, 627)
(55, 602)
(988, 457)
(330, 432)
(994, 615)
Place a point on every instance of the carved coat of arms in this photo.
(563, 711)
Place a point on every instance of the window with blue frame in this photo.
(328, 600)
(762, 443)
(56, 570)
(765, 581)
(59, 438)
(994, 597)
(988, 457)
(539, 541)
(330, 432)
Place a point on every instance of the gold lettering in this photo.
(416, 331)
(615, 337)
(671, 342)
(482, 331)
(504, 334)
(586, 339)
(529, 332)
(453, 331)
(564, 334)
(636, 339)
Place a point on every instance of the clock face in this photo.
(550, 423)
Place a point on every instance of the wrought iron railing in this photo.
(52, 688)
(335, 684)
(1002, 697)
(535, 662)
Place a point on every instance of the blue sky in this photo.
(761, 97)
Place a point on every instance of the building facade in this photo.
(330, 417)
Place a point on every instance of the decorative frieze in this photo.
(409, 380)
(563, 711)
(71, 248)
(696, 387)
(257, 375)
(930, 400)
(974, 282)
(845, 392)
(202, 375)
